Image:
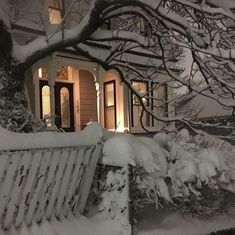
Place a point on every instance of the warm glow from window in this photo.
(109, 94)
(46, 110)
(65, 107)
(54, 16)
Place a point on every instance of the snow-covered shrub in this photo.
(195, 175)
(108, 198)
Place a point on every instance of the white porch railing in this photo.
(37, 184)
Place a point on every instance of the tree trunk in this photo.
(14, 114)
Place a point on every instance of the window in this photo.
(136, 109)
(156, 105)
(54, 15)
(55, 11)
(109, 105)
(62, 73)
(42, 73)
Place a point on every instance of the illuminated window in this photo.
(62, 73)
(46, 108)
(54, 15)
(65, 107)
(142, 88)
(109, 105)
(42, 73)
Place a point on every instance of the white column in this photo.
(51, 84)
(100, 101)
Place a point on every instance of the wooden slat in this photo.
(13, 203)
(64, 185)
(36, 189)
(8, 183)
(89, 177)
(59, 175)
(77, 193)
(48, 185)
(28, 190)
(76, 177)
(3, 163)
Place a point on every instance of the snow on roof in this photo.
(208, 107)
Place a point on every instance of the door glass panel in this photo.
(65, 107)
(109, 105)
(142, 88)
(46, 102)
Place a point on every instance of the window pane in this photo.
(109, 94)
(62, 73)
(46, 112)
(109, 109)
(142, 88)
(65, 107)
(110, 117)
(54, 16)
(42, 73)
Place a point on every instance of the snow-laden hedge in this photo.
(193, 174)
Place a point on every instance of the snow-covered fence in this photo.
(40, 183)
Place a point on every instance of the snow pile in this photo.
(75, 226)
(176, 224)
(176, 168)
(114, 203)
(91, 135)
(108, 198)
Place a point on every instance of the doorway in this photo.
(64, 105)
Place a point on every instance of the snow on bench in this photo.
(46, 175)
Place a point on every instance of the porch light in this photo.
(40, 72)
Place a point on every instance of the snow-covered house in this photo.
(69, 86)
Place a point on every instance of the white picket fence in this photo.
(37, 184)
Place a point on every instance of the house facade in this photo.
(67, 89)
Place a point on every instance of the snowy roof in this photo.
(208, 107)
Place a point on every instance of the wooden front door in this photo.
(64, 106)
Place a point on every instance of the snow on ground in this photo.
(175, 224)
(181, 157)
(79, 226)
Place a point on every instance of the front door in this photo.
(64, 107)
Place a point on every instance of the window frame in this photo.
(114, 105)
(147, 82)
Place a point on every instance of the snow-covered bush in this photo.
(195, 175)
(108, 197)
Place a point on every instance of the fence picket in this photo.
(39, 181)
(18, 187)
(75, 181)
(28, 190)
(77, 193)
(3, 164)
(54, 194)
(8, 183)
(64, 184)
(90, 171)
(48, 185)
